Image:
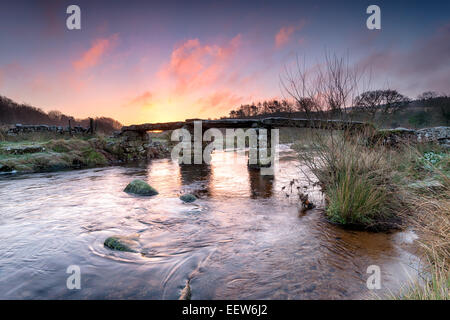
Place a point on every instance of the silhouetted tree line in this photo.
(263, 108)
(438, 101)
(12, 113)
(368, 103)
(380, 101)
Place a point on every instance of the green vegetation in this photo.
(51, 155)
(419, 119)
(358, 184)
(355, 199)
(94, 158)
(140, 187)
(115, 243)
(46, 151)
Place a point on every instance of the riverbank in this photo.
(53, 152)
(381, 186)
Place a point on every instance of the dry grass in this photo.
(430, 219)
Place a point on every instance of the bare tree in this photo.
(327, 91)
(306, 105)
(369, 102)
(299, 84)
(427, 95)
(385, 101)
(437, 101)
(393, 101)
(338, 83)
(443, 103)
(55, 115)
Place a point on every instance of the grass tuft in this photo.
(357, 181)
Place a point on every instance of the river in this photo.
(245, 238)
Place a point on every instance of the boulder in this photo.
(140, 187)
(122, 243)
(188, 198)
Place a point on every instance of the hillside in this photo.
(414, 114)
(12, 112)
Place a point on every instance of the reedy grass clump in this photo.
(357, 181)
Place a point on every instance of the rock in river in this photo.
(122, 243)
(141, 188)
(188, 197)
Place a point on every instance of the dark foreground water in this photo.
(244, 239)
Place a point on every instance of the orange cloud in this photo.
(283, 36)
(92, 56)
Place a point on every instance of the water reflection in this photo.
(261, 186)
(197, 179)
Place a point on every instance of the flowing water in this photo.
(245, 238)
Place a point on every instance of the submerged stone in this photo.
(188, 198)
(120, 243)
(140, 187)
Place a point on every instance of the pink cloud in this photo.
(202, 79)
(143, 99)
(193, 65)
(219, 101)
(92, 56)
(284, 35)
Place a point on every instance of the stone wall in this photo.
(20, 128)
(440, 135)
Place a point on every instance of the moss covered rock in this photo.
(188, 198)
(120, 243)
(140, 187)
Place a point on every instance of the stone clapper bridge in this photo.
(139, 132)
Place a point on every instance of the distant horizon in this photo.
(140, 62)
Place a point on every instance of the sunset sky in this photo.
(145, 61)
